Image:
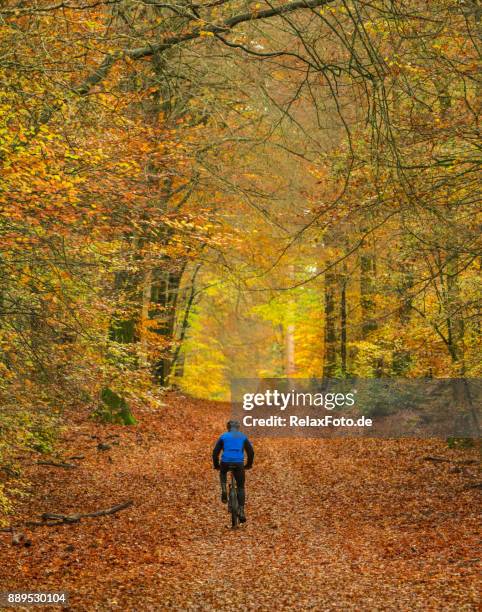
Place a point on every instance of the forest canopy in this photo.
(192, 192)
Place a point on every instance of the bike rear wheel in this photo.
(233, 502)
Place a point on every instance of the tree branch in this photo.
(222, 28)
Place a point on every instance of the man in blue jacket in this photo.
(233, 443)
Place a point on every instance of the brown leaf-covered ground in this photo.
(332, 524)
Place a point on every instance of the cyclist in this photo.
(233, 443)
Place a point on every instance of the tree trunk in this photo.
(290, 367)
(343, 317)
(367, 291)
(165, 295)
(454, 317)
(146, 302)
(401, 358)
(125, 330)
(289, 332)
(329, 356)
(177, 362)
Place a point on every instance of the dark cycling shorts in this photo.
(238, 472)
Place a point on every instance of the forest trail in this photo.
(332, 525)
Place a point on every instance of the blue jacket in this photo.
(233, 444)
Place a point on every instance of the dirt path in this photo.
(333, 525)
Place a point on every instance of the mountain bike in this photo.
(233, 507)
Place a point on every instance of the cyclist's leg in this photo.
(223, 471)
(239, 474)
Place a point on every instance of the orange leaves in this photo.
(361, 525)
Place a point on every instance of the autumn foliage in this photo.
(195, 192)
(333, 524)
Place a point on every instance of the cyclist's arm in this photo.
(248, 447)
(216, 450)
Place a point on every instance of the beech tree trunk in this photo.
(290, 367)
(329, 357)
(367, 291)
(343, 323)
(165, 296)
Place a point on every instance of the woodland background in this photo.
(191, 192)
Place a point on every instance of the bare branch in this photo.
(222, 28)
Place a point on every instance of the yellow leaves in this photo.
(93, 25)
(127, 165)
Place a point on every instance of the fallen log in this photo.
(445, 460)
(50, 519)
(63, 518)
(437, 459)
(112, 510)
(476, 485)
(65, 466)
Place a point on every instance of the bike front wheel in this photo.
(233, 505)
